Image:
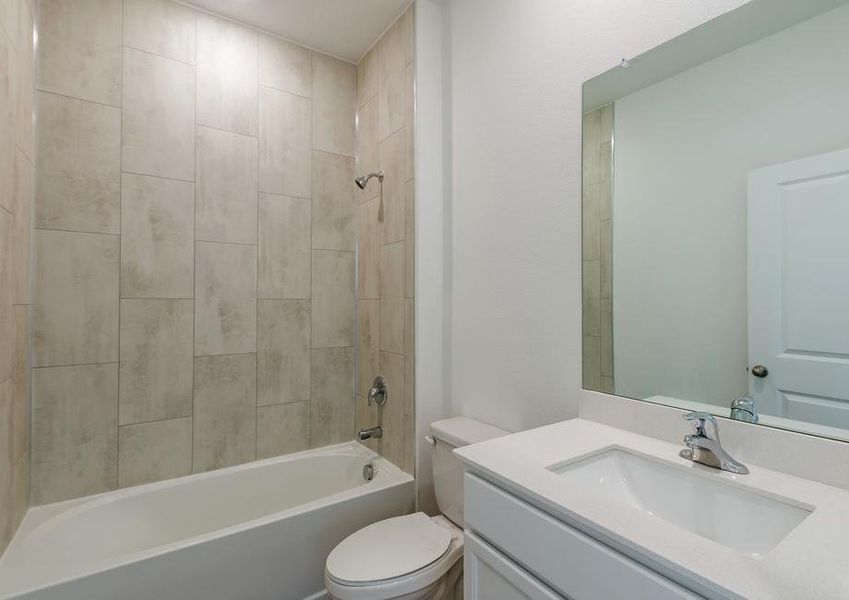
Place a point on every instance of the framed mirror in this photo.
(716, 220)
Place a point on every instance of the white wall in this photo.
(516, 70)
(432, 169)
(684, 148)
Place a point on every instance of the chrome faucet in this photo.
(703, 445)
(370, 433)
(378, 392)
(745, 408)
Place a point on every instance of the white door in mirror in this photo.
(798, 304)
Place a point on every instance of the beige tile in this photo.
(9, 17)
(333, 313)
(285, 269)
(7, 330)
(392, 163)
(78, 168)
(6, 317)
(408, 24)
(409, 385)
(592, 363)
(605, 251)
(225, 207)
(282, 428)
(7, 229)
(22, 229)
(20, 489)
(158, 116)
(410, 239)
(392, 413)
(79, 49)
(590, 227)
(225, 411)
(74, 431)
(390, 81)
(157, 238)
(591, 140)
(8, 94)
(605, 195)
(409, 123)
(226, 75)
(75, 314)
(368, 156)
(368, 344)
(285, 143)
(332, 402)
(591, 297)
(7, 525)
(21, 384)
(225, 302)
(285, 66)
(367, 77)
(392, 297)
(607, 385)
(333, 210)
(606, 342)
(26, 85)
(156, 360)
(334, 105)
(154, 451)
(283, 351)
(162, 27)
(368, 240)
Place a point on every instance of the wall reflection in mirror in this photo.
(716, 220)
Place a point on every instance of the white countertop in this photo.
(812, 562)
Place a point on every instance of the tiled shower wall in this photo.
(16, 192)
(598, 249)
(196, 228)
(385, 226)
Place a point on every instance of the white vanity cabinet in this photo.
(516, 551)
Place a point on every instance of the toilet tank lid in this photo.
(460, 431)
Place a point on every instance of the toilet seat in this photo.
(393, 558)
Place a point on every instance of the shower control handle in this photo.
(378, 392)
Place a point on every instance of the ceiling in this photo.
(342, 28)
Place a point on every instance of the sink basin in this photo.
(727, 514)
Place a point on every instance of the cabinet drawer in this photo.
(567, 560)
(489, 575)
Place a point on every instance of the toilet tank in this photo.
(448, 434)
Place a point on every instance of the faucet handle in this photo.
(704, 424)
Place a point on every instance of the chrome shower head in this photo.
(362, 180)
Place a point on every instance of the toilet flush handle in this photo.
(429, 439)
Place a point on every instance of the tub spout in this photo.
(371, 433)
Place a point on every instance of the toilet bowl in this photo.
(413, 557)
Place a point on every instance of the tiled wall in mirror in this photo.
(716, 212)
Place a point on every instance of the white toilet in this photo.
(414, 557)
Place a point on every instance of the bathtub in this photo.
(256, 531)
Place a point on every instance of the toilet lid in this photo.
(388, 549)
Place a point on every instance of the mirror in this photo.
(716, 220)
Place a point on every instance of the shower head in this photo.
(363, 180)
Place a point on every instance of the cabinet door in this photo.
(489, 575)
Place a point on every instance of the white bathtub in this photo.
(256, 531)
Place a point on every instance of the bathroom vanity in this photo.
(581, 510)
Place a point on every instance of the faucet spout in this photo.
(370, 433)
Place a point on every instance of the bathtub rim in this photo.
(388, 475)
